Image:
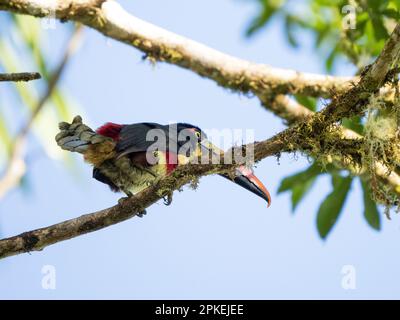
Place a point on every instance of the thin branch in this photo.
(286, 108)
(20, 76)
(38, 239)
(16, 167)
(109, 18)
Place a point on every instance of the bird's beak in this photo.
(244, 176)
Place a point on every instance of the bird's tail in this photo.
(78, 137)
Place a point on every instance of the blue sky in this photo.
(218, 241)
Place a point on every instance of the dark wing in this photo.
(134, 143)
(135, 139)
(99, 176)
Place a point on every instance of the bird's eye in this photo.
(198, 134)
(155, 154)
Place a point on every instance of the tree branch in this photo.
(293, 112)
(312, 127)
(109, 18)
(21, 76)
(38, 239)
(16, 168)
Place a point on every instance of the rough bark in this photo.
(109, 18)
(21, 76)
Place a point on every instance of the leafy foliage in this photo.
(25, 41)
(343, 31)
(336, 34)
(300, 183)
(371, 212)
(329, 211)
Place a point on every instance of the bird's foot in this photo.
(168, 199)
(122, 200)
(141, 213)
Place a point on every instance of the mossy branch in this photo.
(20, 76)
(109, 18)
(349, 155)
(38, 239)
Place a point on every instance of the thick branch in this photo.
(310, 126)
(109, 18)
(294, 112)
(21, 76)
(355, 100)
(286, 108)
(41, 238)
(349, 103)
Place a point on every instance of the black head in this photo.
(185, 136)
(187, 129)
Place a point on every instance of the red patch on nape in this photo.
(111, 130)
(172, 161)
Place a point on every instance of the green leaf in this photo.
(353, 124)
(391, 13)
(377, 5)
(362, 20)
(5, 137)
(270, 7)
(290, 27)
(324, 20)
(309, 102)
(9, 60)
(300, 183)
(300, 190)
(321, 35)
(380, 31)
(371, 213)
(330, 60)
(331, 207)
(302, 177)
(394, 4)
(29, 30)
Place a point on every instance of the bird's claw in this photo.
(168, 199)
(122, 200)
(141, 213)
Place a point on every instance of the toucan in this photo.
(131, 157)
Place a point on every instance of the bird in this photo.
(131, 157)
